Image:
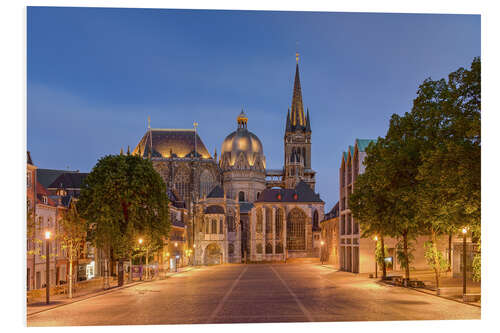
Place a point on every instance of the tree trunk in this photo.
(436, 261)
(405, 249)
(147, 264)
(120, 272)
(384, 269)
(70, 291)
(449, 251)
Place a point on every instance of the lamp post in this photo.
(140, 263)
(322, 252)
(47, 267)
(376, 270)
(464, 253)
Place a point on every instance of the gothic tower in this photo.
(298, 140)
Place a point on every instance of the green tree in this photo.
(72, 234)
(435, 259)
(369, 202)
(449, 118)
(123, 197)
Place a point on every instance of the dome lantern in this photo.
(242, 120)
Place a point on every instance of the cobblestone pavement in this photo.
(252, 294)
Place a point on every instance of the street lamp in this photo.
(376, 270)
(140, 263)
(322, 243)
(464, 252)
(47, 267)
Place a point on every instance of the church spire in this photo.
(288, 127)
(297, 116)
(308, 122)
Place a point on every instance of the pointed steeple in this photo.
(128, 150)
(308, 123)
(121, 151)
(297, 116)
(288, 126)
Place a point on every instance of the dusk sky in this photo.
(95, 75)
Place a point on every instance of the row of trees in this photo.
(424, 176)
(123, 199)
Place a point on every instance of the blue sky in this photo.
(94, 75)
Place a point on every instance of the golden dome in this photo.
(243, 143)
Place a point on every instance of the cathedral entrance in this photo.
(296, 230)
(213, 254)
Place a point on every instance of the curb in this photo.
(423, 292)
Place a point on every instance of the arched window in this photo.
(206, 182)
(258, 195)
(279, 247)
(241, 196)
(214, 226)
(279, 223)
(181, 183)
(207, 227)
(315, 220)
(296, 230)
(304, 155)
(230, 248)
(258, 226)
(259, 248)
(269, 221)
(221, 227)
(269, 248)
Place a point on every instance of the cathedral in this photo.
(237, 209)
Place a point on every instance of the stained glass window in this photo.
(296, 230)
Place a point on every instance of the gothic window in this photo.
(315, 220)
(269, 248)
(230, 248)
(241, 196)
(258, 227)
(279, 223)
(181, 183)
(214, 226)
(304, 155)
(206, 183)
(258, 195)
(230, 224)
(259, 248)
(296, 230)
(279, 247)
(207, 227)
(221, 227)
(269, 221)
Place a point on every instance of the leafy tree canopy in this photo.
(123, 198)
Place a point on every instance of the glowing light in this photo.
(47, 234)
(375, 238)
(322, 243)
(175, 244)
(140, 240)
(464, 230)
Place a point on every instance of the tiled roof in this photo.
(334, 212)
(214, 209)
(41, 192)
(172, 143)
(217, 192)
(69, 180)
(245, 207)
(301, 193)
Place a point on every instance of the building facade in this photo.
(229, 199)
(355, 253)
